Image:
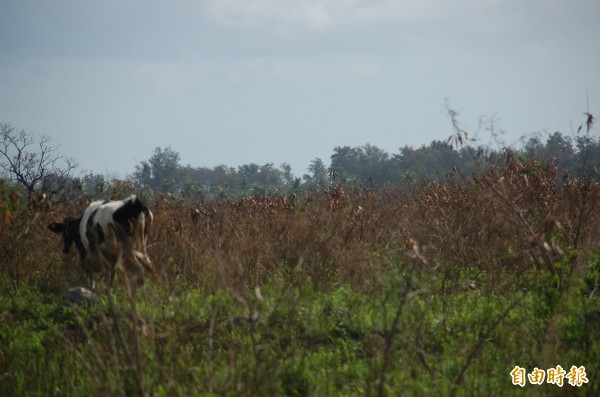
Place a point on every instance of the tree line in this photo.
(37, 168)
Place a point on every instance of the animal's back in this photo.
(85, 219)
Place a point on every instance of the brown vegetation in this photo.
(508, 220)
(443, 286)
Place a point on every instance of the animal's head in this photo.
(70, 232)
(130, 211)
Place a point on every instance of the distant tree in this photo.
(289, 179)
(142, 176)
(559, 149)
(588, 157)
(345, 162)
(222, 176)
(249, 174)
(367, 162)
(164, 165)
(261, 179)
(434, 161)
(374, 163)
(318, 172)
(408, 165)
(94, 185)
(442, 158)
(192, 182)
(271, 176)
(161, 172)
(534, 149)
(41, 170)
(475, 159)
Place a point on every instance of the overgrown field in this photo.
(424, 289)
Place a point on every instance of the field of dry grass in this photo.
(420, 289)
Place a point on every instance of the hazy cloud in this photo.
(215, 79)
(322, 14)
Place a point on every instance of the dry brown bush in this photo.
(522, 216)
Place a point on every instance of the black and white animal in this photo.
(110, 235)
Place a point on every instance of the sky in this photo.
(271, 81)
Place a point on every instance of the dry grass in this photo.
(506, 221)
(403, 258)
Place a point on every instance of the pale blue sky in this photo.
(241, 81)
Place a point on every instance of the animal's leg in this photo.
(89, 275)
